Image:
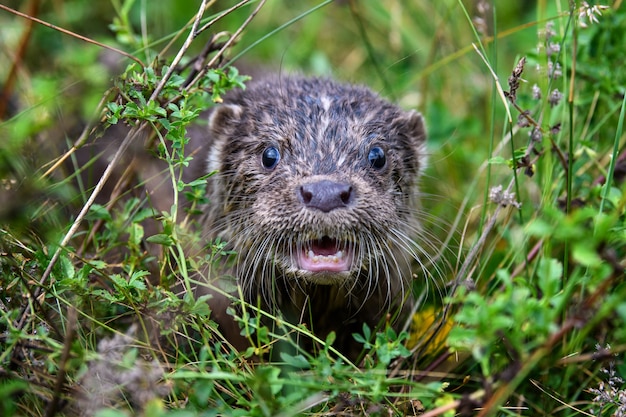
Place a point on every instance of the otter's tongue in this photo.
(324, 255)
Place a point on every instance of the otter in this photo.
(316, 191)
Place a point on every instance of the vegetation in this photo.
(525, 106)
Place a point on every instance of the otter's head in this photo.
(316, 182)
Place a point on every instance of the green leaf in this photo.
(550, 273)
(136, 280)
(106, 295)
(585, 254)
(143, 214)
(118, 281)
(98, 212)
(540, 228)
(200, 306)
(136, 234)
(330, 339)
(297, 361)
(161, 239)
(67, 268)
(498, 160)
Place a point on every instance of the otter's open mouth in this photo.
(325, 255)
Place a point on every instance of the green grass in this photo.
(532, 274)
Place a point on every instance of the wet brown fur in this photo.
(324, 131)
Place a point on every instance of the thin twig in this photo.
(275, 31)
(197, 64)
(80, 141)
(497, 82)
(72, 317)
(537, 124)
(442, 410)
(221, 15)
(472, 255)
(229, 42)
(532, 254)
(132, 135)
(181, 52)
(7, 88)
(75, 35)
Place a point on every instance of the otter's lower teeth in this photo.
(336, 258)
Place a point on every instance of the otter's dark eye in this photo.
(270, 157)
(376, 157)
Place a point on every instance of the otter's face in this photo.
(316, 182)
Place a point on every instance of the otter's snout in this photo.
(326, 195)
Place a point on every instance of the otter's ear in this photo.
(224, 120)
(411, 133)
(411, 126)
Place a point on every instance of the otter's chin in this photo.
(325, 259)
(326, 278)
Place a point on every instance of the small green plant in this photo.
(559, 277)
(388, 345)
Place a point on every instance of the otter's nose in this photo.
(326, 195)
